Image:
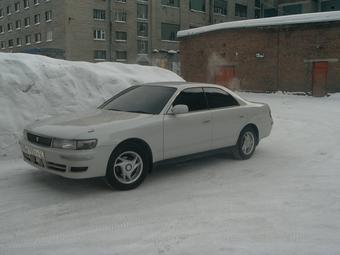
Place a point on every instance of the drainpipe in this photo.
(319, 5)
(150, 29)
(110, 30)
(277, 85)
(211, 11)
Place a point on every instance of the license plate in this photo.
(38, 154)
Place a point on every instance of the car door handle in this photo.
(241, 117)
(205, 121)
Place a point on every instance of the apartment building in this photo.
(130, 31)
(31, 24)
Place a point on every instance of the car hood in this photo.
(71, 126)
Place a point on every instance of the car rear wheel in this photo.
(246, 144)
(127, 167)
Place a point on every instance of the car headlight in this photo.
(86, 144)
(74, 144)
(64, 144)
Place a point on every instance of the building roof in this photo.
(317, 17)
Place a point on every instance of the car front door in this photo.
(227, 117)
(190, 132)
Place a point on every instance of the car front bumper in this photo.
(67, 163)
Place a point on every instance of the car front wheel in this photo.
(246, 144)
(127, 167)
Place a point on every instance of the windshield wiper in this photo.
(129, 111)
(117, 110)
(140, 112)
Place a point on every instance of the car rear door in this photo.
(190, 132)
(227, 117)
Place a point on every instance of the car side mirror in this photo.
(179, 109)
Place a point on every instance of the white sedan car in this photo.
(142, 125)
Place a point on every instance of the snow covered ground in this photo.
(33, 87)
(285, 200)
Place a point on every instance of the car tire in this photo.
(246, 144)
(127, 167)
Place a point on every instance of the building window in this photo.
(121, 36)
(10, 43)
(220, 7)
(3, 45)
(17, 6)
(100, 55)
(271, 12)
(121, 55)
(36, 2)
(240, 10)
(18, 24)
(197, 5)
(26, 4)
(120, 16)
(1, 29)
(257, 13)
(142, 29)
(332, 5)
(292, 9)
(27, 21)
(18, 42)
(173, 3)
(99, 34)
(48, 15)
(142, 11)
(37, 37)
(28, 39)
(49, 36)
(99, 14)
(1, 13)
(169, 32)
(8, 10)
(9, 27)
(121, 1)
(37, 19)
(142, 47)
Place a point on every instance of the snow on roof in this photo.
(273, 21)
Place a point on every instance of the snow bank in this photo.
(33, 87)
(272, 21)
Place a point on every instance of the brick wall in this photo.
(265, 59)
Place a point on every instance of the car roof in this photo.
(181, 84)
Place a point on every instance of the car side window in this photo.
(218, 98)
(194, 98)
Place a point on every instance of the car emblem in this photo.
(37, 139)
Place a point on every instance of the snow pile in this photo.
(272, 21)
(33, 87)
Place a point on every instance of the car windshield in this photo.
(140, 99)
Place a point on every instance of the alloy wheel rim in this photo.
(128, 167)
(248, 143)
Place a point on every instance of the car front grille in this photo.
(39, 140)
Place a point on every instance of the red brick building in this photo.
(298, 53)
